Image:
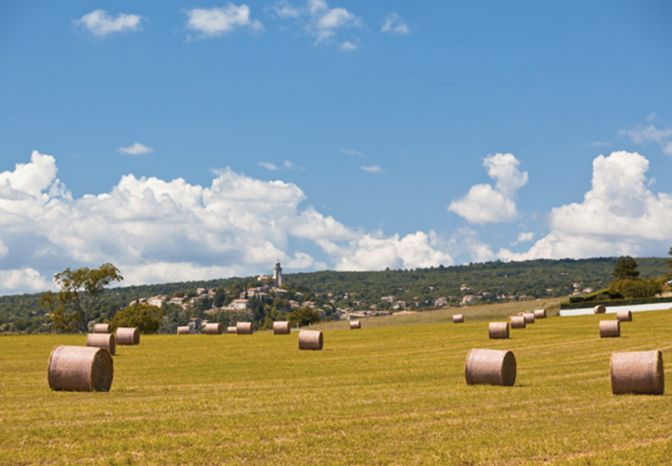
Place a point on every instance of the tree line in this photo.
(84, 297)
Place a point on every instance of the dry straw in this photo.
(102, 340)
(610, 329)
(231, 330)
(281, 328)
(310, 339)
(128, 336)
(101, 328)
(529, 317)
(213, 329)
(80, 368)
(183, 330)
(624, 316)
(540, 314)
(599, 309)
(498, 330)
(491, 367)
(355, 324)
(637, 372)
(244, 328)
(458, 319)
(517, 322)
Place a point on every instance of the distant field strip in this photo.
(614, 309)
(384, 395)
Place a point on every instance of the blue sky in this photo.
(186, 141)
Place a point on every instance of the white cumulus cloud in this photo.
(371, 168)
(523, 237)
(285, 10)
(213, 22)
(352, 152)
(375, 252)
(320, 21)
(485, 204)
(136, 149)
(23, 281)
(394, 24)
(99, 23)
(268, 166)
(620, 215)
(640, 135)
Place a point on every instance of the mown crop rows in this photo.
(387, 395)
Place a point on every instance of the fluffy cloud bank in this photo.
(618, 216)
(485, 204)
(158, 231)
(375, 252)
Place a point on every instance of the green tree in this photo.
(220, 297)
(303, 316)
(142, 315)
(626, 268)
(72, 308)
(173, 317)
(669, 264)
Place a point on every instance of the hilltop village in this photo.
(271, 290)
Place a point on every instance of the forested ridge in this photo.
(491, 281)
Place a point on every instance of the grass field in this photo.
(385, 395)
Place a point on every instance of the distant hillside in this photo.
(358, 290)
(531, 278)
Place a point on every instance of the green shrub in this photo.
(633, 288)
(304, 316)
(142, 315)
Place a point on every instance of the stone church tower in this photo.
(277, 274)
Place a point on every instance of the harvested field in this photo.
(385, 395)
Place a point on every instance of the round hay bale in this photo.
(231, 330)
(498, 330)
(355, 324)
(102, 340)
(281, 328)
(102, 328)
(244, 328)
(540, 314)
(458, 319)
(183, 330)
(610, 329)
(624, 316)
(213, 329)
(517, 322)
(529, 317)
(128, 336)
(491, 367)
(599, 309)
(637, 372)
(80, 368)
(310, 339)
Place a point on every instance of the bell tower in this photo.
(277, 274)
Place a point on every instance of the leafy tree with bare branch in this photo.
(81, 292)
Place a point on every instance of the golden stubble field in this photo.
(385, 395)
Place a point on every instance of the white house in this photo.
(156, 301)
(240, 304)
